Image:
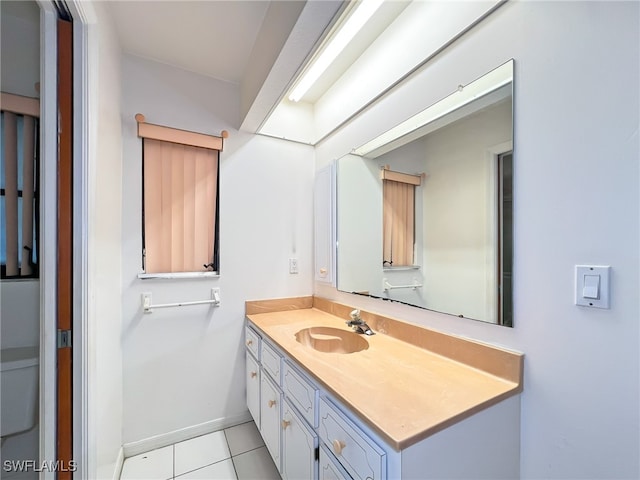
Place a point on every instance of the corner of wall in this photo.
(104, 231)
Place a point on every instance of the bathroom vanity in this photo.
(407, 402)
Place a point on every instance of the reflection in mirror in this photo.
(424, 210)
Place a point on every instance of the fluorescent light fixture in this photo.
(340, 40)
(464, 95)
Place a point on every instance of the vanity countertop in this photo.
(410, 382)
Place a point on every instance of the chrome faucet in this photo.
(359, 325)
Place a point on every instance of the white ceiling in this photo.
(213, 38)
(216, 37)
(259, 45)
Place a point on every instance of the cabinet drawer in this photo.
(301, 393)
(358, 454)
(270, 360)
(253, 387)
(329, 469)
(252, 341)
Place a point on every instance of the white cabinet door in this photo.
(253, 388)
(298, 447)
(301, 392)
(324, 236)
(270, 428)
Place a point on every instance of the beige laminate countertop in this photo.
(403, 391)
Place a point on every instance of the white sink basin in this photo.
(332, 340)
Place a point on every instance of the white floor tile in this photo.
(256, 465)
(200, 451)
(154, 465)
(243, 438)
(218, 471)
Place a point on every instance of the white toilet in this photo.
(18, 390)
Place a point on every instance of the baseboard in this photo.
(111, 471)
(117, 471)
(158, 441)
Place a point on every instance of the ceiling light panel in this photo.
(353, 24)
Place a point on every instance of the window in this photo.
(18, 187)
(180, 200)
(398, 221)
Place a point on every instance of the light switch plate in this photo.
(215, 296)
(293, 265)
(585, 278)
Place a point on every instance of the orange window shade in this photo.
(11, 189)
(28, 193)
(398, 223)
(180, 192)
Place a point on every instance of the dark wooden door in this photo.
(64, 421)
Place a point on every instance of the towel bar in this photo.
(387, 286)
(147, 306)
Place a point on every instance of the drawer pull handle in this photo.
(254, 374)
(249, 343)
(271, 403)
(285, 424)
(338, 445)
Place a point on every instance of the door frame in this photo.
(48, 229)
(84, 443)
(491, 233)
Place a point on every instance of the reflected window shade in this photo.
(398, 223)
(18, 181)
(180, 194)
(28, 152)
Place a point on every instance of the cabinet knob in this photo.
(249, 343)
(254, 374)
(323, 271)
(271, 403)
(338, 445)
(285, 424)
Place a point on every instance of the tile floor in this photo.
(236, 453)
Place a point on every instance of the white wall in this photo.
(460, 213)
(20, 54)
(19, 327)
(19, 313)
(19, 306)
(184, 367)
(104, 240)
(576, 201)
(20, 48)
(359, 225)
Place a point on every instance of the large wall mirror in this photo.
(425, 210)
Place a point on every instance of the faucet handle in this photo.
(355, 314)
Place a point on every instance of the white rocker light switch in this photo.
(592, 286)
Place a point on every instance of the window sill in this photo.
(178, 275)
(401, 268)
